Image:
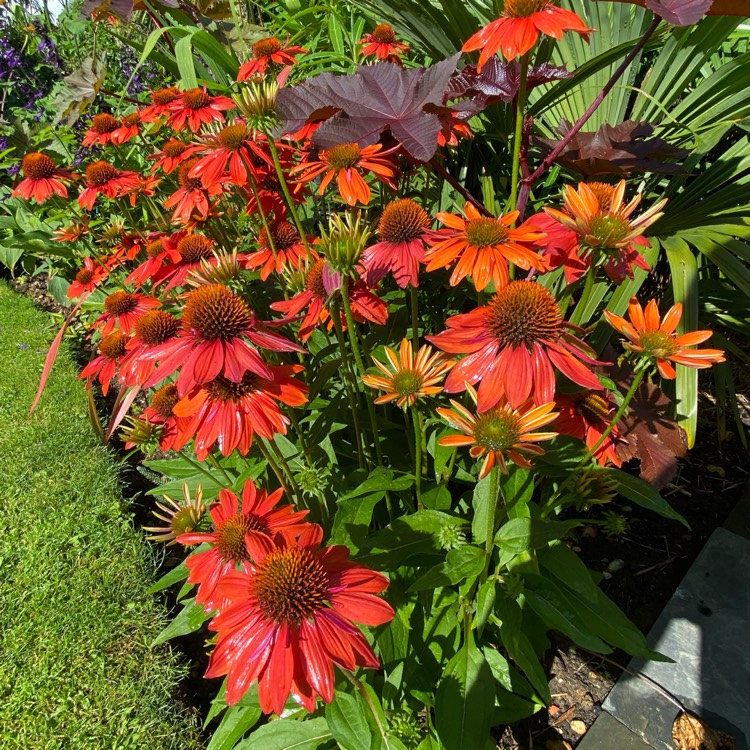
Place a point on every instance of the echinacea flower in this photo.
(266, 51)
(196, 107)
(500, 433)
(104, 179)
(228, 414)
(482, 247)
(192, 197)
(42, 178)
(382, 43)
(260, 514)
(161, 104)
(408, 377)
(123, 309)
(158, 250)
(152, 329)
(235, 146)
(127, 130)
(597, 214)
(180, 518)
(73, 232)
(87, 278)
(518, 28)
(586, 416)
(514, 343)
(346, 162)
(101, 130)
(281, 251)
(320, 283)
(174, 430)
(189, 252)
(290, 617)
(111, 350)
(172, 154)
(219, 330)
(403, 230)
(655, 338)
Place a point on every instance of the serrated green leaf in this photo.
(348, 723)
(287, 734)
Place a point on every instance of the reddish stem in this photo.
(456, 185)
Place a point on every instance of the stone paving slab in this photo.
(607, 733)
(705, 628)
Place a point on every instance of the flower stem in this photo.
(197, 465)
(417, 455)
(352, 330)
(216, 463)
(274, 466)
(414, 294)
(518, 135)
(588, 288)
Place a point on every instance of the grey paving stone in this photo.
(606, 733)
(705, 628)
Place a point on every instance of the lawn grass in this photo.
(76, 670)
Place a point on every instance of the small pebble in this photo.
(576, 548)
(616, 565)
(626, 509)
(578, 726)
(606, 574)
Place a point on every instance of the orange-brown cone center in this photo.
(164, 400)
(497, 429)
(283, 234)
(154, 249)
(402, 221)
(524, 312)
(314, 280)
(119, 303)
(290, 585)
(174, 148)
(156, 326)
(343, 156)
(183, 176)
(100, 173)
(84, 276)
(384, 34)
(266, 47)
(230, 536)
(104, 123)
(165, 96)
(113, 345)
(523, 8)
(216, 312)
(485, 232)
(196, 98)
(38, 166)
(194, 248)
(233, 136)
(593, 407)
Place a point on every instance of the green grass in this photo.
(76, 670)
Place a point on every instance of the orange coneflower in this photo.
(111, 350)
(586, 416)
(403, 230)
(104, 179)
(320, 284)
(152, 329)
(654, 337)
(228, 413)
(266, 51)
(180, 518)
(236, 147)
(102, 127)
(284, 250)
(161, 104)
(346, 162)
(502, 431)
(518, 28)
(158, 249)
(127, 129)
(172, 154)
(409, 377)
(383, 44)
(514, 343)
(290, 617)
(184, 254)
(191, 198)
(87, 278)
(260, 514)
(218, 338)
(483, 247)
(174, 431)
(122, 309)
(73, 232)
(196, 107)
(42, 178)
(602, 222)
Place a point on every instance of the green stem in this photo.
(197, 465)
(216, 463)
(518, 135)
(349, 383)
(288, 471)
(261, 212)
(418, 455)
(588, 288)
(287, 194)
(414, 294)
(489, 544)
(274, 466)
(352, 330)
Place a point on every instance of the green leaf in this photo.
(525, 534)
(180, 573)
(642, 493)
(352, 522)
(347, 722)
(461, 563)
(485, 603)
(517, 489)
(235, 722)
(479, 502)
(553, 607)
(464, 700)
(188, 620)
(288, 734)
(9, 256)
(437, 497)
(565, 565)
(183, 51)
(684, 268)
